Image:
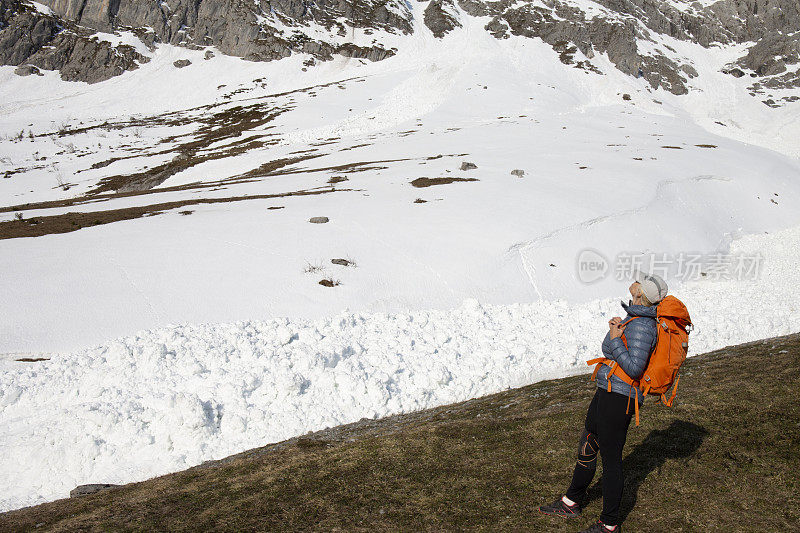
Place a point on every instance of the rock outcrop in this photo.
(440, 18)
(63, 40)
(237, 27)
(31, 38)
(92, 488)
(773, 55)
(616, 27)
(27, 70)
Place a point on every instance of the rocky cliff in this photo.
(60, 38)
(34, 39)
(628, 31)
(617, 27)
(242, 28)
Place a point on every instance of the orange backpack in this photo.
(672, 344)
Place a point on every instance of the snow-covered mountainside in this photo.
(160, 163)
(59, 33)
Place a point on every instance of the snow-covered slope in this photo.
(192, 163)
(381, 125)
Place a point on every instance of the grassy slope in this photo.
(715, 462)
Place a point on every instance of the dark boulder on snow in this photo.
(518, 172)
(27, 70)
(180, 63)
(85, 490)
(735, 72)
(318, 220)
(466, 165)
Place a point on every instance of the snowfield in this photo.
(600, 172)
(225, 340)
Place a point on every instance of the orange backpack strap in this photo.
(668, 403)
(636, 403)
(614, 370)
(611, 367)
(597, 361)
(624, 340)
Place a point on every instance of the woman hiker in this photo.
(608, 417)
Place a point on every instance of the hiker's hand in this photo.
(615, 320)
(616, 329)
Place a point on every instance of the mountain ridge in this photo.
(62, 34)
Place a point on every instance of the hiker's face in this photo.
(636, 293)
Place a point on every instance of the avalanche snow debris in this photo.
(171, 398)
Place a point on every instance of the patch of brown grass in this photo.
(219, 126)
(427, 182)
(73, 221)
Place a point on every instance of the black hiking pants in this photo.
(605, 432)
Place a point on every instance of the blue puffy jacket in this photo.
(641, 336)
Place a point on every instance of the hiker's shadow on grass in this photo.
(681, 439)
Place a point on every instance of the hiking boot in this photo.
(559, 508)
(599, 527)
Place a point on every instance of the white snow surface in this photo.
(491, 239)
(225, 342)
